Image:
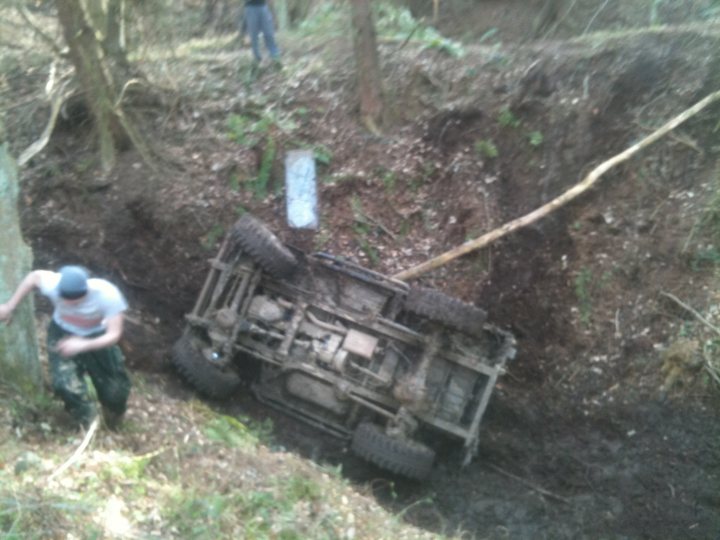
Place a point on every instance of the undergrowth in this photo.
(392, 23)
(190, 472)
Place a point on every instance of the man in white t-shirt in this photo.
(86, 325)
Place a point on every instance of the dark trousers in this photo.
(258, 20)
(106, 369)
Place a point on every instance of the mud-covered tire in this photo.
(444, 309)
(206, 378)
(264, 247)
(401, 456)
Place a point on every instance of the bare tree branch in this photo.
(693, 311)
(42, 35)
(529, 484)
(79, 450)
(57, 95)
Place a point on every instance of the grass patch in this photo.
(707, 225)
(389, 180)
(703, 258)
(260, 130)
(506, 118)
(321, 240)
(535, 138)
(238, 432)
(323, 154)
(260, 184)
(392, 23)
(398, 24)
(34, 405)
(201, 515)
(363, 229)
(281, 509)
(183, 471)
(212, 237)
(587, 287)
(327, 19)
(583, 284)
(31, 515)
(486, 148)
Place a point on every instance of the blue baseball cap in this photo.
(73, 282)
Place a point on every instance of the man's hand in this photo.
(72, 345)
(5, 312)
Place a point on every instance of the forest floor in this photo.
(607, 423)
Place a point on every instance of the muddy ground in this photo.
(606, 424)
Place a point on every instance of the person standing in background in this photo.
(257, 19)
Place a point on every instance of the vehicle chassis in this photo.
(348, 350)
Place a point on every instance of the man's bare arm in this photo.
(30, 282)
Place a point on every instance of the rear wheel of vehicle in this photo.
(444, 309)
(264, 247)
(206, 378)
(401, 456)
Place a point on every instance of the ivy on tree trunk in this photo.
(19, 362)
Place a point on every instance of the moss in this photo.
(18, 341)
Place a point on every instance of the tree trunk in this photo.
(298, 11)
(19, 362)
(114, 43)
(221, 15)
(114, 130)
(367, 64)
(97, 16)
(115, 25)
(282, 17)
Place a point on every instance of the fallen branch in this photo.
(693, 311)
(681, 139)
(411, 34)
(56, 93)
(371, 125)
(561, 200)
(56, 102)
(369, 221)
(532, 486)
(127, 85)
(79, 450)
(712, 370)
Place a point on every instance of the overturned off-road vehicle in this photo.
(345, 349)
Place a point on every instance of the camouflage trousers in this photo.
(106, 369)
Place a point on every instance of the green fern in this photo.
(535, 138)
(260, 186)
(506, 118)
(486, 148)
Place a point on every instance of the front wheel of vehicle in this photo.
(401, 456)
(264, 247)
(209, 380)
